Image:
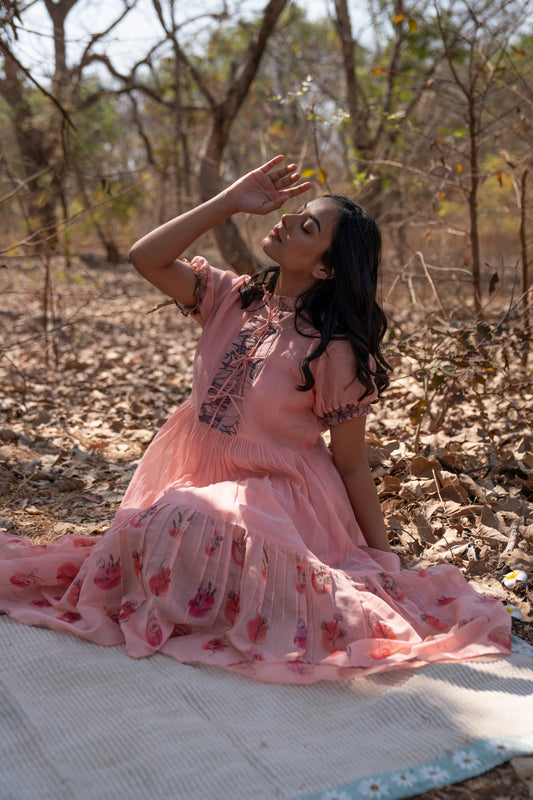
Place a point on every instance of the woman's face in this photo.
(298, 242)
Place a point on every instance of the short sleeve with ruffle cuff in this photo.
(212, 284)
(338, 394)
(201, 272)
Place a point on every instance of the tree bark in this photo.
(36, 154)
(232, 246)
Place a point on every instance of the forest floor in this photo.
(84, 390)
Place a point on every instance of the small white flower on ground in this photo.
(404, 778)
(436, 774)
(333, 795)
(514, 611)
(498, 747)
(465, 758)
(371, 788)
(514, 577)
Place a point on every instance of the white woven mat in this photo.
(80, 722)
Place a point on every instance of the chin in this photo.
(266, 246)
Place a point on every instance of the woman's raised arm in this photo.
(157, 255)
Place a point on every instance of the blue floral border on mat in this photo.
(471, 760)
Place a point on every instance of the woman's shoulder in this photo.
(215, 287)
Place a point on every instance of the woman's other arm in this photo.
(348, 448)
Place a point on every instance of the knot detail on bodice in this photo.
(241, 364)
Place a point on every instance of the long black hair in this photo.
(343, 305)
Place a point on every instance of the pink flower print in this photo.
(154, 634)
(215, 645)
(300, 640)
(66, 572)
(126, 610)
(41, 602)
(123, 612)
(300, 667)
(264, 564)
(333, 636)
(254, 654)
(438, 624)
(384, 648)
(214, 544)
(177, 525)
(73, 594)
(160, 582)
(232, 607)
(238, 548)
(321, 581)
(83, 541)
(180, 629)
(256, 629)
(501, 636)
(390, 585)
(444, 601)
(109, 573)
(140, 518)
(113, 614)
(301, 580)
(25, 579)
(380, 630)
(137, 557)
(203, 601)
(70, 616)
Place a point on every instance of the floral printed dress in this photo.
(236, 544)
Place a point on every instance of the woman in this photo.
(241, 540)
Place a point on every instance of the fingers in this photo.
(283, 179)
(272, 163)
(280, 173)
(296, 190)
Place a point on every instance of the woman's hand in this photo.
(262, 190)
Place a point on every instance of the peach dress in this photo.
(236, 544)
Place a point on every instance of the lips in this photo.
(274, 234)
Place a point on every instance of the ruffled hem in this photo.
(203, 589)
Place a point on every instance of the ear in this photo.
(322, 273)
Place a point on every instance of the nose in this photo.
(286, 219)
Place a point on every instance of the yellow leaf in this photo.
(307, 173)
(459, 169)
(413, 25)
(321, 177)
(499, 178)
(378, 71)
(398, 18)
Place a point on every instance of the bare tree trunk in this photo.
(525, 264)
(232, 246)
(473, 204)
(58, 11)
(36, 154)
(357, 122)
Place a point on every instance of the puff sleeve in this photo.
(338, 394)
(212, 285)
